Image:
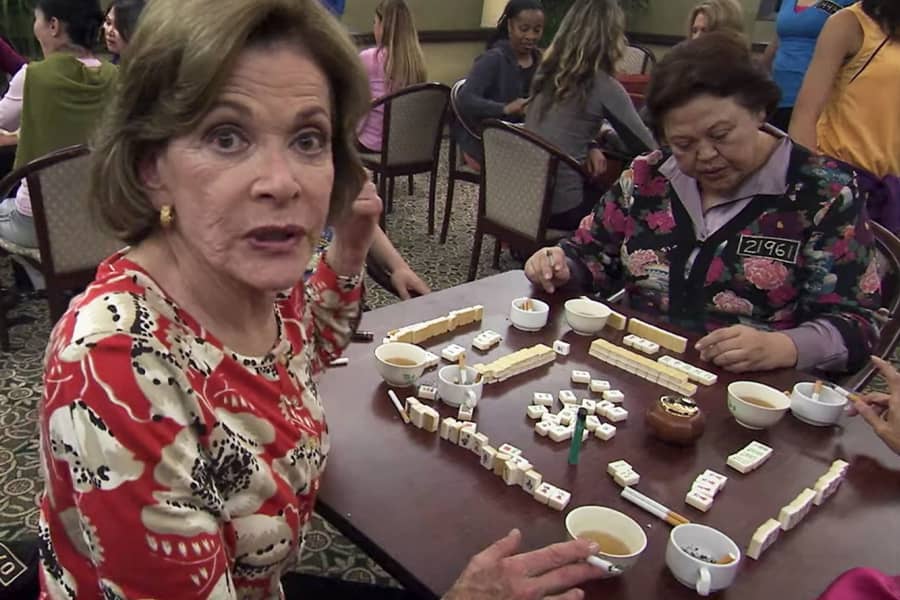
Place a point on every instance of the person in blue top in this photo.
(788, 56)
(335, 6)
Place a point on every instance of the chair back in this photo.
(454, 107)
(636, 61)
(518, 178)
(414, 124)
(70, 239)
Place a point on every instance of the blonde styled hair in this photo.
(727, 15)
(590, 39)
(405, 60)
(178, 61)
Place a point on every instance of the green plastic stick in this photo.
(575, 448)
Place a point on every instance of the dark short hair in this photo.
(127, 13)
(716, 64)
(511, 11)
(82, 18)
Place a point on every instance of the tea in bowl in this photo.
(400, 364)
(528, 314)
(822, 411)
(756, 406)
(620, 538)
(585, 316)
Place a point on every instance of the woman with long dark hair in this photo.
(119, 25)
(497, 86)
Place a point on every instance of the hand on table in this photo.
(550, 573)
(354, 233)
(595, 163)
(882, 411)
(548, 268)
(516, 107)
(740, 348)
(407, 283)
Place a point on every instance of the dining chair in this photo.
(637, 60)
(71, 244)
(888, 247)
(518, 179)
(457, 169)
(414, 120)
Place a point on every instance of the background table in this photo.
(422, 506)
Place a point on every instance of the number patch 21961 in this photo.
(768, 247)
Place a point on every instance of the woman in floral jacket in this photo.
(734, 230)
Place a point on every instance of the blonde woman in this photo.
(716, 15)
(394, 63)
(574, 92)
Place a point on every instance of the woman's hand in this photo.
(516, 108)
(548, 268)
(550, 573)
(354, 233)
(407, 283)
(595, 163)
(882, 411)
(741, 348)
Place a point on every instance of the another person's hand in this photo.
(595, 163)
(548, 268)
(516, 108)
(354, 233)
(882, 411)
(740, 348)
(550, 573)
(407, 283)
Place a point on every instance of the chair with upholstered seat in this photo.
(636, 61)
(457, 169)
(518, 179)
(70, 241)
(414, 120)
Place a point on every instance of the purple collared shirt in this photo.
(818, 342)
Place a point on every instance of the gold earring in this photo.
(166, 216)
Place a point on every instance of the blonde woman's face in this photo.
(251, 185)
(699, 26)
(378, 30)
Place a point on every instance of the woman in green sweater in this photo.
(54, 102)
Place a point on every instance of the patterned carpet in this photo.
(328, 552)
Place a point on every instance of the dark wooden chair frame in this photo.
(385, 174)
(455, 174)
(57, 283)
(649, 58)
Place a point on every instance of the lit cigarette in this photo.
(398, 406)
(462, 368)
(549, 256)
(653, 507)
(602, 564)
(340, 362)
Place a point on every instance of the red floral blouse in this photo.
(174, 467)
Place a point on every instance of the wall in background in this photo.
(669, 17)
(430, 15)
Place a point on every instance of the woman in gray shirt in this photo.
(574, 92)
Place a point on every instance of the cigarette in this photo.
(362, 336)
(549, 256)
(462, 368)
(653, 507)
(602, 564)
(340, 362)
(398, 406)
(817, 389)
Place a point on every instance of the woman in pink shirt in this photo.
(394, 63)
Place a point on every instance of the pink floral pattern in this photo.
(729, 302)
(662, 221)
(871, 280)
(638, 261)
(715, 271)
(764, 273)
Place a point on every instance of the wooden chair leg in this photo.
(4, 330)
(56, 299)
(495, 264)
(448, 206)
(411, 185)
(382, 191)
(476, 254)
(390, 195)
(432, 197)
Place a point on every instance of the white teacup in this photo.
(612, 522)
(400, 375)
(701, 575)
(454, 393)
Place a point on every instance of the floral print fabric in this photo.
(782, 261)
(174, 467)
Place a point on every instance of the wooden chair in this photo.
(637, 60)
(413, 127)
(518, 179)
(888, 246)
(457, 169)
(70, 242)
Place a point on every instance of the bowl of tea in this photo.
(756, 406)
(621, 538)
(400, 364)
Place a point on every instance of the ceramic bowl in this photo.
(400, 375)
(529, 320)
(827, 410)
(753, 416)
(586, 317)
(613, 522)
